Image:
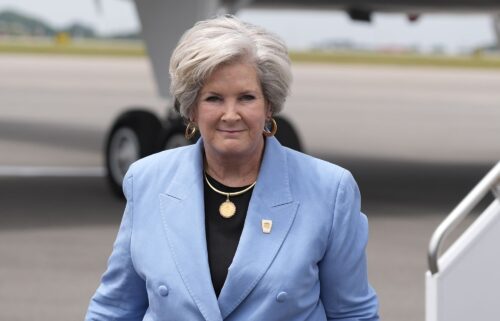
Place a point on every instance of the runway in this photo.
(416, 140)
(56, 110)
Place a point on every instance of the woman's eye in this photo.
(212, 99)
(247, 97)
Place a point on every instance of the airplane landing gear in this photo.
(135, 134)
(138, 133)
(173, 132)
(286, 134)
(496, 26)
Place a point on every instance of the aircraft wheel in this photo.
(134, 135)
(173, 135)
(286, 134)
(174, 140)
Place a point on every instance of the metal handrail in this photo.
(490, 182)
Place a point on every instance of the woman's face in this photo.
(231, 111)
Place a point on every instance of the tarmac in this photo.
(416, 139)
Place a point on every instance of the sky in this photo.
(300, 29)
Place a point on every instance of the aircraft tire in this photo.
(173, 134)
(134, 135)
(286, 134)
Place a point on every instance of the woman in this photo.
(236, 227)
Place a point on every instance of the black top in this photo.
(223, 234)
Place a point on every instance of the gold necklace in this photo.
(227, 209)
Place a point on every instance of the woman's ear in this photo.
(269, 111)
(192, 116)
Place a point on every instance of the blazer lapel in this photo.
(183, 215)
(271, 200)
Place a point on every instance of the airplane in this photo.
(137, 133)
(470, 264)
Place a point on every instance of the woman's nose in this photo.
(231, 111)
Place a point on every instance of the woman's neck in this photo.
(233, 171)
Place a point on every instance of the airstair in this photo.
(463, 284)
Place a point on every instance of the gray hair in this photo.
(214, 42)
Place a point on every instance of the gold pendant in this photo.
(227, 209)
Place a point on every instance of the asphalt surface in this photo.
(55, 110)
(415, 139)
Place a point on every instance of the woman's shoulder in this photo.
(153, 174)
(311, 174)
(167, 159)
(313, 167)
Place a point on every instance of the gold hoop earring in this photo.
(274, 128)
(190, 130)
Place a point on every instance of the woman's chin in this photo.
(232, 148)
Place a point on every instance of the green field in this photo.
(136, 49)
(476, 61)
(82, 48)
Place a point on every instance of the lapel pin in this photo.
(266, 226)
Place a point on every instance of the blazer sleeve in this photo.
(122, 293)
(345, 291)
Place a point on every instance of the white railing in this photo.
(491, 182)
(463, 283)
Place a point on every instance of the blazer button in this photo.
(163, 290)
(281, 297)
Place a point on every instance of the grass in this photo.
(473, 61)
(81, 48)
(136, 49)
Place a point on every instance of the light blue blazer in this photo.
(311, 266)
